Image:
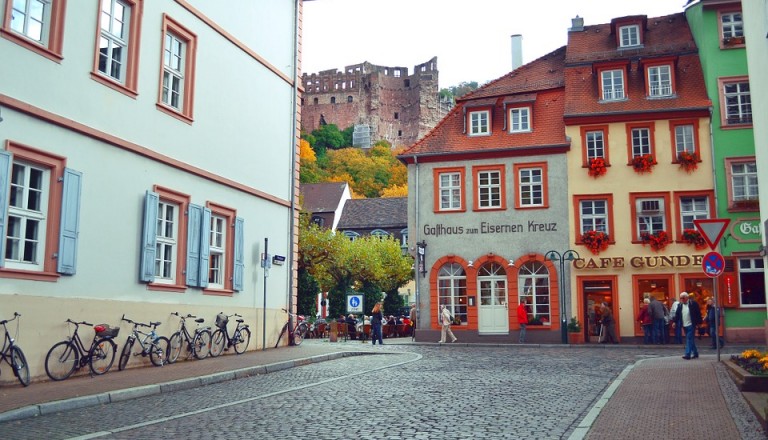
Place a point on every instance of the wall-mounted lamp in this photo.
(470, 263)
(511, 264)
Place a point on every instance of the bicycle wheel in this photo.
(242, 340)
(20, 366)
(125, 355)
(102, 356)
(217, 343)
(61, 360)
(202, 344)
(298, 334)
(175, 345)
(158, 351)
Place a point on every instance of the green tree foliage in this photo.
(307, 293)
(328, 137)
(347, 134)
(454, 92)
(393, 302)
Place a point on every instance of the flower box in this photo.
(658, 240)
(595, 241)
(688, 161)
(746, 381)
(733, 41)
(644, 163)
(747, 204)
(693, 237)
(597, 167)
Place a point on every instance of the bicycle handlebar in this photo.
(6, 321)
(69, 320)
(136, 323)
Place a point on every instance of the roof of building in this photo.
(322, 197)
(663, 37)
(539, 82)
(385, 212)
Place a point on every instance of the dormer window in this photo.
(479, 123)
(660, 81)
(612, 84)
(629, 36)
(520, 120)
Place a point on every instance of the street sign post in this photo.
(713, 264)
(712, 230)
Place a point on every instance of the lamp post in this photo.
(568, 255)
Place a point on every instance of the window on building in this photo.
(39, 212)
(613, 84)
(315, 101)
(531, 186)
(177, 77)
(452, 290)
(450, 186)
(492, 282)
(519, 120)
(319, 221)
(650, 216)
(693, 208)
(116, 56)
(167, 242)
(744, 181)
(406, 83)
(684, 139)
(593, 216)
(37, 25)
(379, 233)
(595, 144)
(397, 115)
(533, 285)
(752, 282)
(333, 100)
(351, 235)
(478, 123)
(736, 102)
(396, 72)
(659, 81)
(349, 98)
(489, 183)
(404, 240)
(732, 24)
(629, 35)
(218, 252)
(641, 141)
(399, 133)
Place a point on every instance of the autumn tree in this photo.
(395, 191)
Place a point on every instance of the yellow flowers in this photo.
(752, 354)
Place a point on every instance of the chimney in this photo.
(517, 51)
(577, 24)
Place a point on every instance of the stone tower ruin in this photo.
(384, 102)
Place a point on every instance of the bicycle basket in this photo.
(222, 320)
(105, 331)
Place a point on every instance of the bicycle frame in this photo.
(83, 353)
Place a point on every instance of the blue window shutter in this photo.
(5, 185)
(237, 281)
(205, 247)
(194, 222)
(69, 229)
(149, 237)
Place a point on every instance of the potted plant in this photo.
(597, 167)
(692, 236)
(688, 161)
(575, 335)
(595, 241)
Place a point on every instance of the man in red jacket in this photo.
(522, 319)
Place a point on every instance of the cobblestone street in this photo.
(410, 391)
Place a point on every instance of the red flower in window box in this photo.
(597, 167)
(595, 241)
(692, 236)
(688, 161)
(643, 163)
(657, 240)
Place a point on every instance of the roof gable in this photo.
(379, 213)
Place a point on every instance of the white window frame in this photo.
(450, 191)
(351, 235)
(660, 81)
(114, 41)
(479, 123)
(744, 183)
(520, 120)
(25, 215)
(629, 36)
(533, 285)
(595, 145)
(166, 255)
(489, 189)
(732, 24)
(30, 18)
(173, 72)
(750, 265)
(591, 218)
(641, 141)
(613, 84)
(492, 284)
(451, 288)
(650, 222)
(531, 184)
(380, 234)
(693, 208)
(685, 140)
(217, 252)
(738, 102)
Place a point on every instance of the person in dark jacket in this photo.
(645, 320)
(688, 316)
(352, 326)
(711, 325)
(656, 310)
(609, 325)
(376, 318)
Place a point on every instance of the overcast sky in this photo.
(471, 39)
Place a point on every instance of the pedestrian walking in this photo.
(711, 325)
(678, 330)
(446, 319)
(688, 316)
(376, 318)
(656, 310)
(609, 325)
(522, 319)
(644, 318)
(412, 316)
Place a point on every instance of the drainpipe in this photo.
(416, 240)
(292, 179)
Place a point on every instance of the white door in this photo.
(493, 313)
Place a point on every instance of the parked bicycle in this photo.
(298, 333)
(221, 341)
(197, 344)
(152, 345)
(70, 354)
(12, 354)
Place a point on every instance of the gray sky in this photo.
(471, 39)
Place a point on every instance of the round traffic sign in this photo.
(713, 264)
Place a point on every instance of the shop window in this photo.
(751, 282)
(492, 281)
(452, 290)
(533, 284)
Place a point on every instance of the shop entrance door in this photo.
(595, 293)
(493, 315)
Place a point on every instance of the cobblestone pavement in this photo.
(398, 392)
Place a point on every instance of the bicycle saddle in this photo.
(239, 320)
(155, 323)
(199, 320)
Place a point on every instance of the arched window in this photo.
(333, 100)
(404, 240)
(351, 235)
(492, 279)
(380, 233)
(452, 290)
(349, 98)
(533, 282)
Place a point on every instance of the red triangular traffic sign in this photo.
(712, 229)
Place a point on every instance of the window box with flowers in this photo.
(747, 204)
(595, 241)
(688, 161)
(692, 236)
(733, 41)
(597, 167)
(643, 164)
(658, 240)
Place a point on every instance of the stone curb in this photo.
(165, 387)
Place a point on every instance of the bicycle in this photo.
(198, 344)
(298, 333)
(221, 341)
(152, 345)
(70, 354)
(12, 354)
